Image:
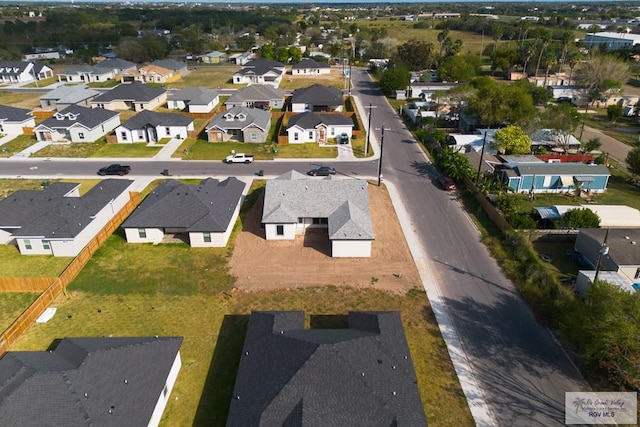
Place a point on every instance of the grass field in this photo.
(13, 264)
(12, 304)
(210, 76)
(27, 100)
(16, 145)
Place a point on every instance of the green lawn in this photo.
(126, 150)
(295, 82)
(198, 149)
(16, 145)
(98, 149)
(12, 304)
(13, 264)
(626, 129)
(213, 77)
(20, 99)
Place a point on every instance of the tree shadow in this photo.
(216, 395)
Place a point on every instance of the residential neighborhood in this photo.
(313, 215)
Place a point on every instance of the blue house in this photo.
(555, 177)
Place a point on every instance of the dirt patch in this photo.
(306, 261)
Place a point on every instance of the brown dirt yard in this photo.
(306, 261)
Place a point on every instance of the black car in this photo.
(343, 138)
(322, 171)
(114, 169)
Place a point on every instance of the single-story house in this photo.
(149, 126)
(257, 96)
(241, 58)
(239, 124)
(611, 216)
(622, 255)
(555, 177)
(567, 91)
(149, 74)
(553, 140)
(117, 65)
(214, 57)
(64, 96)
(426, 91)
(105, 381)
(178, 67)
(294, 202)
(131, 96)
(193, 100)
(317, 98)
(260, 71)
(202, 214)
(13, 120)
(57, 220)
(23, 71)
(362, 375)
(317, 127)
(77, 124)
(85, 74)
(309, 66)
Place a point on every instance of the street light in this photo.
(380, 158)
(366, 146)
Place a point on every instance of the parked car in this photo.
(322, 171)
(343, 138)
(239, 158)
(114, 169)
(564, 100)
(447, 183)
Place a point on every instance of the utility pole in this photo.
(366, 145)
(484, 142)
(604, 250)
(380, 158)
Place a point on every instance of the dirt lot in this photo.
(307, 261)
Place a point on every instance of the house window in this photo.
(27, 245)
(333, 131)
(234, 132)
(123, 136)
(637, 276)
(45, 245)
(207, 237)
(295, 136)
(142, 233)
(279, 230)
(140, 134)
(310, 134)
(254, 136)
(80, 135)
(142, 106)
(320, 221)
(167, 131)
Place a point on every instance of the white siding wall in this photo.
(13, 128)
(176, 105)
(154, 235)
(271, 232)
(303, 135)
(351, 248)
(164, 396)
(114, 105)
(37, 247)
(203, 108)
(5, 237)
(92, 135)
(299, 107)
(151, 105)
(218, 240)
(173, 131)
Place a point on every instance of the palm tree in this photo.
(545, 38)
(567, 38)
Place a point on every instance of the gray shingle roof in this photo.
(79, 382)
(170, 64)
(13, 114)
(12, 68)
(232, 119)
(194, 95)
(562, 169)
(48, 214)
(70, 94)
(84, 69)
(310, 63)
(344, 202)
(151, 118)
(310, 120)
(262, 66)
(134, 91)
(623, 245)
(90, 118)
(317, 94)
(116, 63)
(361, 376)
(256, 93)
(208, 206)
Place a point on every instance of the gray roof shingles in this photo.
(12, 68)
(309, 120)
(344, 202)
(361, 376)
(13, 114)
(253, 116)
(561, 169)
(208, 206)
(90, 118)
(194, 95)
(48, 214)
(310, 63)
(134, 91)
(151, 118)
(70, 94)
(83, 378)
(262, 66)
(317, 94)
(254, 93)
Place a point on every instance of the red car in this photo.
(447, 183)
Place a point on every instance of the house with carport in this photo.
(134, 96)
(310, 67)
(14, 120)
(57, 220)
(317, 127)
(294, 203)
(193, 100)
(317, 98)
(541, 177)
(66, 95)
(239, 124)
(201, 215)
(77, 124)
(105, 381)
(149, 126)
(257, 96)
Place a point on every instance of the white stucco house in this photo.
(134, 96)
(317, 98)
(149, 126)
(203, 214)
(294, 202)
(261, 71)
(23, 71)
(108, 380)
(310, 67)
(77, 124)
(193, 100)
(13, 120)
(58, 220)
(85, 74)
(317, 127)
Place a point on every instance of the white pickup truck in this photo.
(239, 158)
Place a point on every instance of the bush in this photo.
(522, 222)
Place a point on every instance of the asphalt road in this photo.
(522, 372)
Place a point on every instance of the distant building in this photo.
(613, 41)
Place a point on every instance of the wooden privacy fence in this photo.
(25, 284)
(59, 284)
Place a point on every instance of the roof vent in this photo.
(633, 243)
(246, 353)
(362, 374)
(86, 395)
(626, 237)
(393, 367)
(394, 393)
(111, 409)
(126, 381)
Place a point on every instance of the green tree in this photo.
(563, 119)
(295, 54)
(246, 42)
(268, 51)
(496, 105)
(394, 78)
(592, 144)
(614, 112)
(633, 161)
(602, 75)
(580, 218)
(459, 68)
(416, 55)
(454, 164)
(512, 140)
